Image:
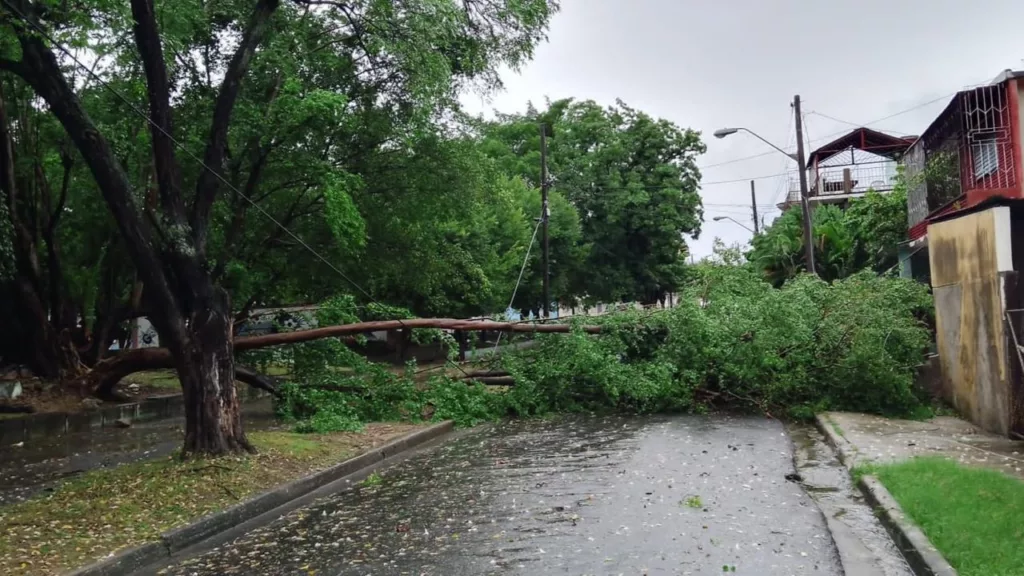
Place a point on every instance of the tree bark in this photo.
(213, 417)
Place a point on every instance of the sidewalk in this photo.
(877, 440)
(949, 493)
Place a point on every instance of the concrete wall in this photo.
(969, 256)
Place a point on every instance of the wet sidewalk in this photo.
(616, 495)
(873, 439)
(38, 463)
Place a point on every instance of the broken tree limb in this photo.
(253, 378)
(105, 375)
(492, 380)
(254, 342)
(482, 374)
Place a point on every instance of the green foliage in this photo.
(732, 341)
(863, 236)
(809, 346)
(631, 178)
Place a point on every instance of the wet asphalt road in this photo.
(682, 495)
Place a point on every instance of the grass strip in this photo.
(89, 517)
(972, 515)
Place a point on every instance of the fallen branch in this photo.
(253, 378)
(492, 380)
(105, 375)
(254, 342)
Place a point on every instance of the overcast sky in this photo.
(707, 65)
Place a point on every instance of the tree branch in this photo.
(255, 342)
(12, 66)
(249, 376)
(43, 73)
(147, 38)
(208, 184)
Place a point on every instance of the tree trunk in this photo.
(206, 368)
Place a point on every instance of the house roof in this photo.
(865, 139)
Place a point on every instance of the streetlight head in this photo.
(718, 218)
(723, 132)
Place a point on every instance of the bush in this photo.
(734, 340)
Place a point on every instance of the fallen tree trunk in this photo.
(492, 380)
(482, 374)
(105, 375)
(254, 342)
(253, 378)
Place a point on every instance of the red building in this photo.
(970, 153)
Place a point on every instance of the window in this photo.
(985, 155)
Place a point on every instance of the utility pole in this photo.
(544, 219)
(753, 206)
(804, 203)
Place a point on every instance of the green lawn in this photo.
(974, 516)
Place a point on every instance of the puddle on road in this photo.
(863, 543)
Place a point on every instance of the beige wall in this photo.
(967, 256)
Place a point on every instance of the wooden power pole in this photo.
(804, 194)
(544, 219)
(753, 206)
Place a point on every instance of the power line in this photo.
(782, 185)
(671, 186)
(854, 124)
(522, 269)
(834, 134)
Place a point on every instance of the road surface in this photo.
(615, 495)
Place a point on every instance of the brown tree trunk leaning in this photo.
(254, 342)
(105, 375)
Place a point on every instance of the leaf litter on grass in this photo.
(101, 512)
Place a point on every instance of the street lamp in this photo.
(722, 133)
(720, 218)
(799, 157)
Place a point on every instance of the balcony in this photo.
(848, 167)
(964, 157)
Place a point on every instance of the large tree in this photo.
(633, 180)
(424, 49)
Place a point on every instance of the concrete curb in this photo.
(845, 451)
(131, 560)
(923, 558)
